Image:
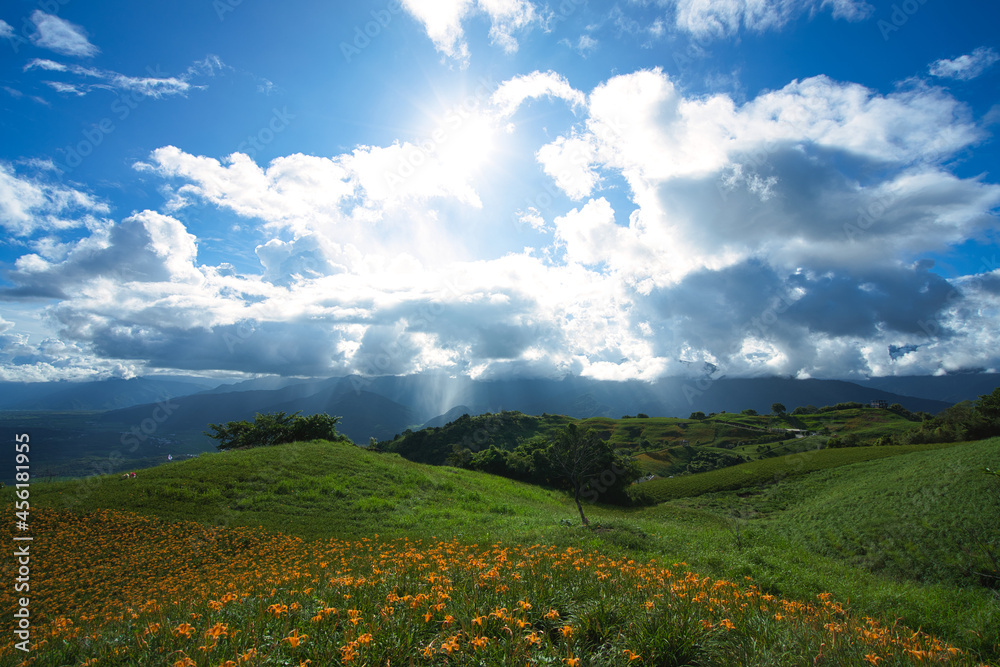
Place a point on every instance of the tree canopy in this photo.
(988, 405)
(275, 429)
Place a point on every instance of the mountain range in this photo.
(97, 395)
(383, 406)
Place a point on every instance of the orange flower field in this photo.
(111, 588)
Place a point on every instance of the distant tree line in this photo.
(780, 410)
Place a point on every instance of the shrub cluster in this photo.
(705, 461)
(436, 445)
(532, 461)
(275, 429)
(850, 405)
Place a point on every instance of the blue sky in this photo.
(499, 188)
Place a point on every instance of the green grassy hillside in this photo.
(317, 489)
(765, 471)
(882, 535)
(911, 517)
(897, 536)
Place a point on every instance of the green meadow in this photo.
(889, 533)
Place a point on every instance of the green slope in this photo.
(317, 489)
(765, 471)
(912, 517)
(891, 535)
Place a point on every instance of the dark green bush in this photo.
(275, 428)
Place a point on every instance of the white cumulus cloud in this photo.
(442, 20)
(513, 92)
(786, 234)
(31, 204)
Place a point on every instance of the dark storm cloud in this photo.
(492, 326)
(708, 307)
(293, 347)
(899, 299)
(386, 350)
(715, 311)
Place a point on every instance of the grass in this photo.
(765, 471)
(276, 510)
(669, 431)
(888, 535)
(315, 490)
(905, 516)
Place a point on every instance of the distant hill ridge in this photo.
(661, 445)
(382, 407)
(109, 394)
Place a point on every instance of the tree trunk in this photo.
(576, 497)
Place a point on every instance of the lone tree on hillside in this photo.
(275, 429)
(777, 408)
(589, 464)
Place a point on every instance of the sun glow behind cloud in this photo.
(470, 145)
